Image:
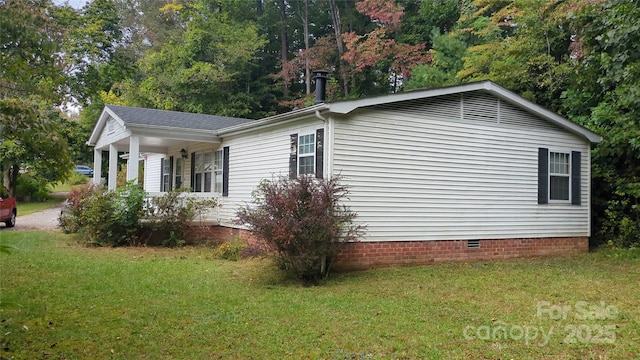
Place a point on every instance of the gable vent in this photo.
(473, 244)
(514, 116)
(440, 108)
(479, 107)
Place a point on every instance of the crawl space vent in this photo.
(473, 244)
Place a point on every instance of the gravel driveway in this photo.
(41, 220)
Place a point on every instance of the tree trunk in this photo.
(10, 178)
(337, 28)
(284, 49)
(305, 24)
(5, 178)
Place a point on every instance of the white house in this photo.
(465, 172)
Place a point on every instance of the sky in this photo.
(74, 3)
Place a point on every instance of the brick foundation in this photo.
(215, 235)
(366, 255)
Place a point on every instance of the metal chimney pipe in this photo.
(320, 76)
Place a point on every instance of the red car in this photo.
(8, 209)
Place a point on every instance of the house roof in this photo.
(201, 126)
(196, 126)
(173, 119)
(347, 106)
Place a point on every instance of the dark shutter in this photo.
(543, 176)
(319, 153)
(193, 171)
(162, 175)
(170, 173)
(293, 156)
(575, 177)
(225, 171)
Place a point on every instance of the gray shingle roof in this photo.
(173, 119)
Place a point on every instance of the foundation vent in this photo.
(473, 244)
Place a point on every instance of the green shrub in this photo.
(31, 188)
(107, 218)
(302, 221)
(71, 219)
(77, 179)
(171, 215)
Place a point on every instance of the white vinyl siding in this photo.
(111, 133)
(152, 171)
(257, 156)
(421, 176)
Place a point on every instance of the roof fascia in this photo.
(347, 106)
(174, 133)
(273, 120)
(509, 96)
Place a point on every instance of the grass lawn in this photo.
(25, 208)
(64, 301)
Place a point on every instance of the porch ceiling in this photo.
(151, 144)
(160, 140)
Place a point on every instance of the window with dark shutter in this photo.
(306, 155)
(559, 177)
(165, 174)
(543, 176)
(170, 173)
(319, 153)
(193, 172)
(225, 171)
(293, 156)
(576, 158)
(162, 175)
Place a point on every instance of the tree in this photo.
(528, 38)
(378, 48)
(302, 221)
(30, 83)
(201, 70)
(605, 97)
(447, 53)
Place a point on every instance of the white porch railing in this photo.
(210, 217)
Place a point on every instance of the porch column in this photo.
(113, 167)
(97, 166)
(134, 159)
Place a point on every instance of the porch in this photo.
(183, 144)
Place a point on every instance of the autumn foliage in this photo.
(302, 221)
(365, 51)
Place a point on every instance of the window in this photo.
(559, 176)
(111, 125)
(178, 175)
(166, 175)
(306, 154)
(202, 171)
(218, 170)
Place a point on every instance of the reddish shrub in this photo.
(302, 221)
